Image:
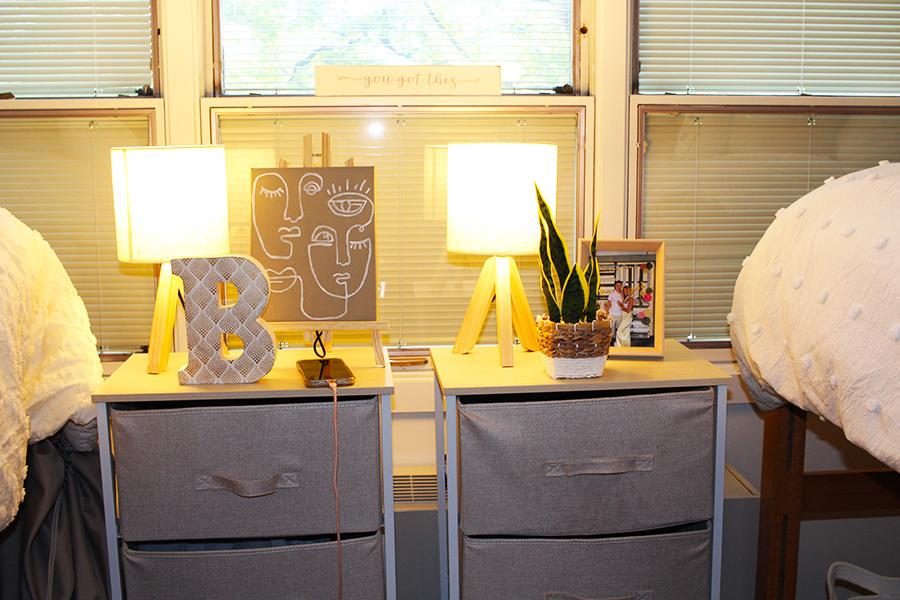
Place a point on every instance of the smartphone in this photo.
(317, 372)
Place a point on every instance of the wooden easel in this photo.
(327, 327)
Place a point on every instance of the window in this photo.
(54, 160)
(55, 177)
(424, 291)
(75, 48)
(712, 182)
(785, 47)
(714, 171)
(273, 47)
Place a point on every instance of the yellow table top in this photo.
(132, 383)
(479, 372)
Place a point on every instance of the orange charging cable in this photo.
(334, 486)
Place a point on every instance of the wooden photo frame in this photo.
(640, 266)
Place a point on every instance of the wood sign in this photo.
(314, 233)
(429, 80)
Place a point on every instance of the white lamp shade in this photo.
(491, 203)
(170, 202)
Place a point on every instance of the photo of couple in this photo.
(626, 292)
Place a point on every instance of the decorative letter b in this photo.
(208, 321)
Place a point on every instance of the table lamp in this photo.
(170, 202)
(492, 210)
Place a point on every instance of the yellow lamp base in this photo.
(164, 310)
(499, 279)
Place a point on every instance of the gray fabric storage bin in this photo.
(245, 471)
(586, 466)
(673, 566)
(300, 572)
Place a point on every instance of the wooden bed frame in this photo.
(788, 495)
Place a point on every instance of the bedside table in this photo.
(216, 491)
(581, 488)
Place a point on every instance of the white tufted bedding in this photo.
(48, 355)
(816, 313)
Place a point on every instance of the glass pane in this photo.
(770, 47)
(66, 49)
(273, 47)
(55, 177)
(713, 182)
(423, 290)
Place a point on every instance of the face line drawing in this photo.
(365, 277)
(326, 237)
(310, 184)
(290, 232)
(334, 232)
(349, 204)
(320, 239)
(277, 278)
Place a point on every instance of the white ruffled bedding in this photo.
(816, 313)
(48, 355)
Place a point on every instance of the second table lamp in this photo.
(492, 210)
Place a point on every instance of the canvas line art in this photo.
(314, 233)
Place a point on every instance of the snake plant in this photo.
(571, 292)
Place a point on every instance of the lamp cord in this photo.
(334, 486)
(319, 345)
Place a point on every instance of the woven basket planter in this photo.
(574, 351)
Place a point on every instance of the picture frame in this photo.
(640, 265)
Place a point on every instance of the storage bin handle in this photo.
(249, 488)
(611, 465)
(565, 596)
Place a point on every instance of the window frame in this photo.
(582, 106)
(63, 108)
(743, 109)
(112, 101)
(153, 107)
(641, 105)
(56, 108)
(155, 32)
(724, 99)
(580, 74)
(750, 109)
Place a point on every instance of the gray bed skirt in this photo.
(55, 548)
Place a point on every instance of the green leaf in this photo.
(590, 307)
(550, 297)
(592, 275)
(574, 296)
(546, 266)
(559, 256)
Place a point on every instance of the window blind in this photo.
(713, 182)
(69, 48)
(273, 47)
(424, 290)
(55, 177)
(778, 47)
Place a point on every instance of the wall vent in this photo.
(415, 487)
